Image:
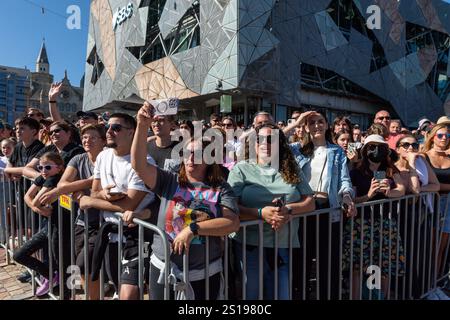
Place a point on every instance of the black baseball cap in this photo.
(88, 114)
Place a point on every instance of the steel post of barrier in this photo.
(86, 255)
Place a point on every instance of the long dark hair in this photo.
(308, 145)
(289, 169)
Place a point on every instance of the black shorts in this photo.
(130, 272)
(79, 246)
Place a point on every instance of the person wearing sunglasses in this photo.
(35, 113)
(116, 187)
(326, 171)
(62, 137)
(276, 194)
(77, 179)
(436, 149)
(383, 117)
(417, 176)
(50, 166)
(197, 186)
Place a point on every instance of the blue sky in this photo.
(24, 25)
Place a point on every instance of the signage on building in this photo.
(122, 15)
(225, 103)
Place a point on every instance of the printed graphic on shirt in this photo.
(188, 205)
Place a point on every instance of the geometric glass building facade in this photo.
(14, 92)
(345, 56)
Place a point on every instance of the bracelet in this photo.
(260, 214)
(53, 101)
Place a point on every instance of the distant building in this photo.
(71, 99)
(14, 92)
(273, 55)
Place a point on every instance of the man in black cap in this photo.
(86, 118)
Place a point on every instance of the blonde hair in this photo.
(429, 143)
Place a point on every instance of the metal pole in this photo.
(141, 263)
(207, 269)
(86, 254)
(60, 253)
(226, 262)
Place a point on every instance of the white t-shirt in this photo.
(3, 163)
(313, 170)
(115, 170)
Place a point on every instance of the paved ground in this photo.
(10, 288)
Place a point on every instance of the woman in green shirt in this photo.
(258, 183)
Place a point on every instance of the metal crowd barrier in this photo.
(412, 271)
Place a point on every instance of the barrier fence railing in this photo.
(391, 249)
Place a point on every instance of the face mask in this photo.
(377, 154)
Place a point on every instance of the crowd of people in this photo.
(119, 163)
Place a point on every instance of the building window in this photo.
(347, 16)
(184, 36)
(97, 63)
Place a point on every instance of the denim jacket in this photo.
(338, 179)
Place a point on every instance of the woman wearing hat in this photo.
(375, 178)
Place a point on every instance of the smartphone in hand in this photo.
(379, 175)
(280, 201)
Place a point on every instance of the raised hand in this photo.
(55, 90)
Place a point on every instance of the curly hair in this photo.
(289, 168)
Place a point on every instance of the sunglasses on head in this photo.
(441, 136)
(384, 118)
(116, 127)
(57, 130)
(46, 167)
(264, 139)
(406, 145)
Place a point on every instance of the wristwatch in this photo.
(194, 228)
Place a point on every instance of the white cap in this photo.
(422, 123)
(374, 138)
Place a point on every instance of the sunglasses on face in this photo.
(116, 127)
(33, 115)
(384, 118)
(47, 167)
(264, 139)
(228, 125)
(441, 136)
(406, 145)
(58, 130)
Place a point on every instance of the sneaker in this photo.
(44, 287)
(24, 277)
(115, 296)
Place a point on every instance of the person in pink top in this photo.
(394, 133)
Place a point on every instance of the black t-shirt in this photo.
(50, 182)
(160, 154)
(67, 153)
(22, 155)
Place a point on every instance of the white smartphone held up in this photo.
(165, 107)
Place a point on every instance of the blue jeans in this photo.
(252, 276)
(446, 215)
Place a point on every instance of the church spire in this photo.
(42, 64)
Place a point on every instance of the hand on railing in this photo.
(49, 197)
(183, 241)
(129, 215)
(86, 202)
(349, 206)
